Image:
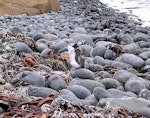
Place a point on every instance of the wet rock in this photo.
(82, 73)
(110, 83)
(89, 84)
(86, 50)
(145, 93)
(131, 59)
(132, 104)
(115, 93)
(40, 91)
(80, 91)
(98, 51)
(56, 82)
(123, 76)
(134, 86)
(22, 47)
(100, 92)
(91, 100)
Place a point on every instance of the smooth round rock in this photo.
(50, 37)
(109, 54)
(91, 100)
(98, 51)
(40, 46)
(89, 84)
(99, 60)
(131, 48)
(131, 59)
(40, 91)
(45, 67)
(67, 92)
(86, 49)
(104, 74)
(95, 67)
(115, 93)
(38, 36)
(56, 82)
(80, 91)
(59, 45)
(22, 47)
(110, 83)
(145, 93)
(131, 103)
(145, 55)
(100, 92)
(82, 73)
(80, 30)
(134, 86)
(121, 65)
(147, 62)
(46, 53)
(33, 78)
(141, 37)
(16, 30)
(123, 76)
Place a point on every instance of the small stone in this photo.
(110, 83)
(145, 93)
(56, 82)
(82, 73)
(134, 86)
(95, 67)
(89, 84)
(80, 91)
(98, 51)
(99, 60)
(100, 92)
(40, 91)
(91, 100)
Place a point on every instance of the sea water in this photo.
(139, 9)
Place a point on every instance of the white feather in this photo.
(71, 52)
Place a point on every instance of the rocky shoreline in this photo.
(37, 79)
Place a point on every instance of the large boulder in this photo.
(29, 7)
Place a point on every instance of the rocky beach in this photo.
(39, 77)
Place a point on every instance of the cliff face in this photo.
(29, 7)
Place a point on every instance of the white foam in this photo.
(139, 8)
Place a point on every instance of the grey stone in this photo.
(16, 30)
(109, 54)
(95, 67)
(141, 37)
(121, 65)
(124, 38)
(139, 105)
(89, 84)
(22, 47)
(67, 92)
(131, 48)
(58, 45)
(38, 36)
(40, 46)
(104, 74)
(123, 76)
(99, 60)
(80, 30)
(134, 86)
(40, 91)
(100, 92)
(147, 62)
(50, 37)
(145, 93)
(82, 73)
(145, 55)
(115, 93)
(110, 83)
(86, 49)
(45, 67)
(46, 53)
(80, 91)
(98, 51)
(56, 82)
(131, 59)
(91, 100)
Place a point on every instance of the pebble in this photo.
(145, 93)
(90, 100)
(100, 92)
(82, 73)
(80, 91)
(22, 47)
(40, 91)
(110, 83)
(134, 86)
(56, 82)
(89, 84)
(131, 59)
(98, 51)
